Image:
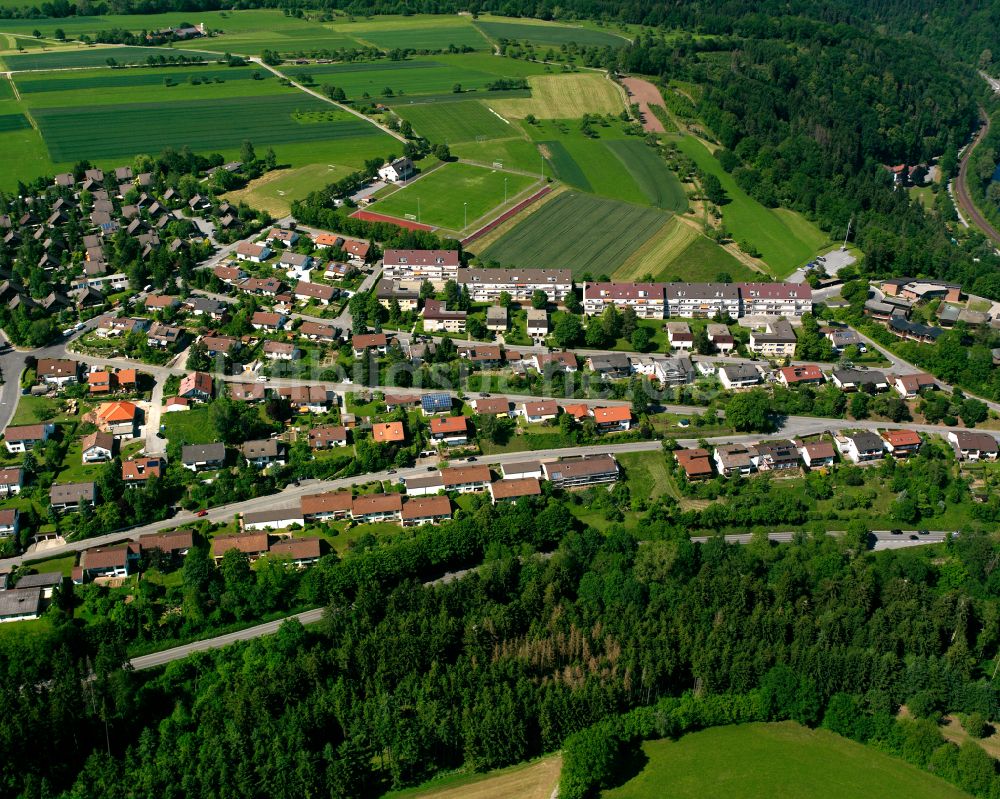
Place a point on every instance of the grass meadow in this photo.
(578, 232)
(648, 169)
(275, 191)
(565, 97)
(444, 192)
(785, 239)
(762, 761)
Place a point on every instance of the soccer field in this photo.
(440, 198)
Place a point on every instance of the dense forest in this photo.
(402, 679)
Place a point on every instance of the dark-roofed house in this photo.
(492, 406)
(57, 371)
(425, 510)
(20, 604)
(583, 471)
(299, 552)
(775, 456)
(435, 403)
(72, 496)
(818, 454)
(25, 437)
(174, 542)
(328, 436)
(45, 582)
(98, 447)
(739, 375)
(253, 545)
(203, 456)
(973, 446)
(733, 459)
(113, 561)
(10, 522)
(860, 447)
(264, 452)
(514, 489)
(424, 485)
(273, 519)
(860, 380)
(11, 481)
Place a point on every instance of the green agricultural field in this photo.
(96, 132)
(417, 32)
(25, 148)
(6, 89)
(9, 122)
(443, 193)
(679, 251)
(785, 239)
(417, 78)
(247, 32)
(650, 172)
(451, 123)
(168, 85)
(762, 761)
(94, 57)
(548, 33)
(578, 232)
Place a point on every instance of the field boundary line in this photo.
(318, 96)
(506, 215)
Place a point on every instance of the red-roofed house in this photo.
(800, 375)
(388, 432)
(615, 418)
(450, 430)
(901, 443)
(196, 386)
(696, 463)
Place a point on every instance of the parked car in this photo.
(201, 513)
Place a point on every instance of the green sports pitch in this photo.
(448, 195)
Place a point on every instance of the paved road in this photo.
(179, 652)
(961, 187)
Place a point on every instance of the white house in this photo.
(395, 171)
(738, 375)
(255, 253)
(274, 519)
(860, 447)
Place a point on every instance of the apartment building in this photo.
(646, 299)
(486, 285)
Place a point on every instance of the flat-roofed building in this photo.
(583, 471)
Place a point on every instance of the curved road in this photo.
(961, 187)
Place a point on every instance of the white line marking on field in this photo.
(497, 115)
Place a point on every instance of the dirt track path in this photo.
(643, 92)
(961, 188)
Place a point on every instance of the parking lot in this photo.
(833, 262)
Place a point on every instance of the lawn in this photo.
(646, 474)
(32, 410)
(417, 32)
(785, 239)
(443, 193)
(450, 123)
(566, 97)
(275, 191)
(63, 564)
(189, 427)
(548, 33)
(766, 760)
(512, 153)
(595, 235)
(95, 132)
